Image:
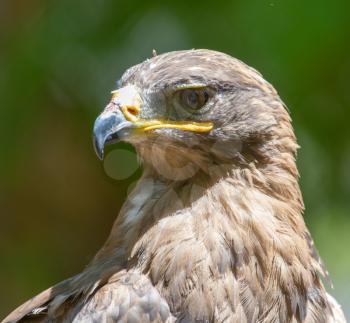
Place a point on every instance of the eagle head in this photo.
(190, 110)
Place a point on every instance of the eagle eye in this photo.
(193, 99)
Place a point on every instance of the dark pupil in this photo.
(192, 99)
(195, 99)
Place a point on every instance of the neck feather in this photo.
(243, 224)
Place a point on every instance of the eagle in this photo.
(214, 229)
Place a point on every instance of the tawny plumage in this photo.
(213, 231)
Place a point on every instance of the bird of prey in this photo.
(213, 230)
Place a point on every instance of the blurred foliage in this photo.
(60, 59)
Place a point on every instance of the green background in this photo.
(59, 60)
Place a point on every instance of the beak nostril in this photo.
(133, 111)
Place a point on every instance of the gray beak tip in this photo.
(103, 127)
(98, 147)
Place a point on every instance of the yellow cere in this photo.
(131, 112)
(115, 94)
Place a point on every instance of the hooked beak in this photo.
(109, 127)
(121, 117)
